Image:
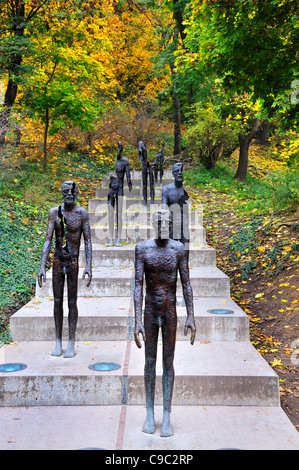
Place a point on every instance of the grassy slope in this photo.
(254, 229)
(26, 195)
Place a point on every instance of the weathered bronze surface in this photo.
(122, 168)
(115, 195)
(68, 221)
(159, 260)
(114, 210)
(147, 174)
(159, 160)
(175, 197)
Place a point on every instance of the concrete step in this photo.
(211, 373)
(213, 428)
(135, 192)
(137, 181)
(100, 217)
(112, 318)
(195, 428)
(104, 255)
(136, 233)
(218, 373)
(100, 318)
(109, 282)
(129, 203)
(118, 282)
(167, 174)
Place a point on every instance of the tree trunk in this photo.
(263, 137)
(177, 150)
(18, 131)
(9, 99)
(178, 16)
(244, 140)
(13, 69)
(45, 139)
(228, 150)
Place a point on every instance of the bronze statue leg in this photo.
(111, 224)
(119, 215)
(58, 285)
(169, 326)
(151, 331)
(144, 185)
(72, 286)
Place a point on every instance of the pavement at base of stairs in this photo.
(99, 427)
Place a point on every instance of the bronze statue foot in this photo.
(149, 426)
(70, 352)
(166, 429)
(58, 349)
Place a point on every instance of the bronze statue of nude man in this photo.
(159, 260)
(68, 221)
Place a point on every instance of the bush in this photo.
(26, 195)
(210, 136)
(5, 336)
(22, 231)
(285, 193)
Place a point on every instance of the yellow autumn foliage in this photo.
(279, 156)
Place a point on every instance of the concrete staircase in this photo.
(225, 394)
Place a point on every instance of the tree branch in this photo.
(142, 10)
(51, 75)
(33, 11)
(254, 129)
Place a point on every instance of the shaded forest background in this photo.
(216, 81)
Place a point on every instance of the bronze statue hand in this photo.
(41, 276)
(89, 274)
(190, 323)
(139, 329)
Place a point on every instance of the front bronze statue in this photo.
(68, 221)
(159, 260)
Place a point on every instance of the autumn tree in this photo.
(21, 21)
(170, 28)
(252, 47)
(15, 18)
(70, 78)
(133, 44)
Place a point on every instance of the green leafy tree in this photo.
(61, 89)
(210, 135)
(16, 17)
(21, 21)
(252, 47)
(171, 31)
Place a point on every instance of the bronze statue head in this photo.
(162, 223)
(69, 192)
(177, 172)
(120, 149)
